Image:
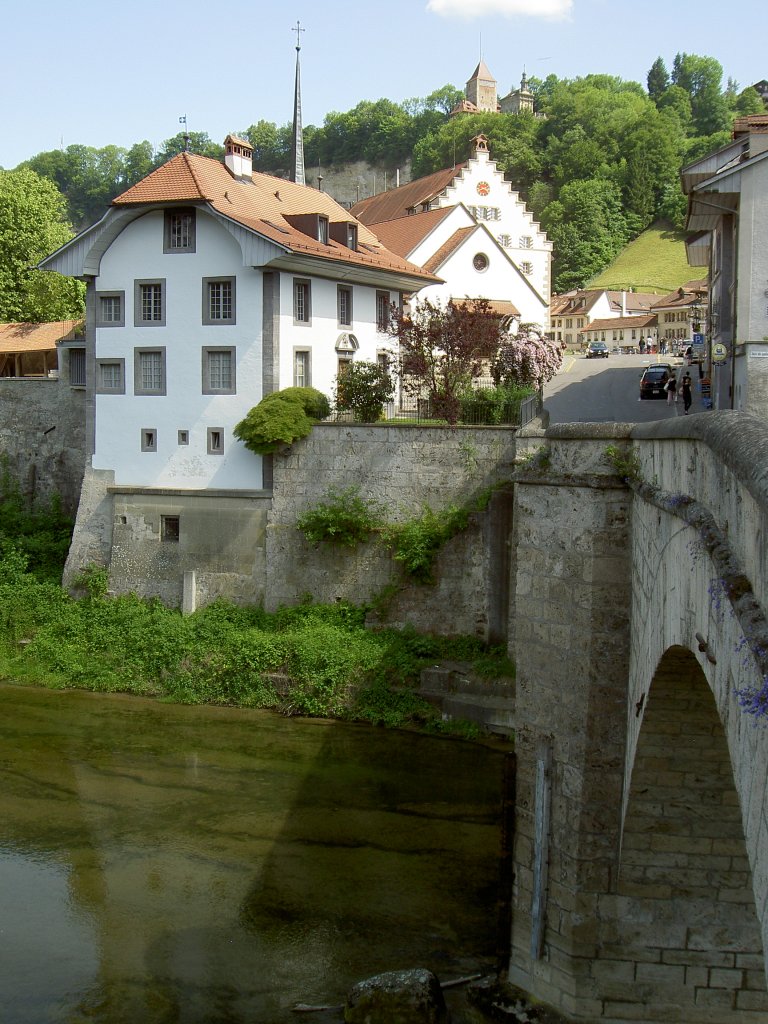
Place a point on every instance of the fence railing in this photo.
(473, 412)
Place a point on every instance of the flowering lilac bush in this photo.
(528, 358)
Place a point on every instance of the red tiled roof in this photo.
(448, 248)
(404, 234)
(694, 290)
(750, 124)
(35, 337)
(262, 204)
(397, 201)
(618, 323)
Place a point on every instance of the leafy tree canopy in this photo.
(32, 225)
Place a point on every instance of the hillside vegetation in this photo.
(655, 261)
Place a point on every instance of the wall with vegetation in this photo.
(42, 437)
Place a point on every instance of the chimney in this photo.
(623, 304)
(238, 156)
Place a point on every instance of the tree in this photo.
(587, 227)
(748, 102)
(442, 348)
(199, 143)
(658, 79)
(33, 225)
(364, 389)
(528, 359)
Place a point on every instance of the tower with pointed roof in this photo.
(297, 144)
(481, 89)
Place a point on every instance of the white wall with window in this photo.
(185, 368)
(319, 336)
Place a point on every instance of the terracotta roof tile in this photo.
(618, 323)
(397, 201)
(404, 234)
(262, 203)
(35, 337)
(448, 248)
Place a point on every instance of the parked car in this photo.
(653, 381)
(597, 350)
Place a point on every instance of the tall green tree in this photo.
(658, 79)
(32, 225)
(587, 227)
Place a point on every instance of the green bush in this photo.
(493, 405)
(364, 390)
(343, 518)
(281, 418)
(417, 542)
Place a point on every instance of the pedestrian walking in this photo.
(671, 388)
(685, 390)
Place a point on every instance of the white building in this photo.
(727, 209)
(208, 287)
(468, 225)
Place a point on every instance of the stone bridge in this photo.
(637, 620)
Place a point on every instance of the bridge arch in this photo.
(685, 906)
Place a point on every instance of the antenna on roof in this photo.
(187, 139)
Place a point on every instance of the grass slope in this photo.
(654, 261)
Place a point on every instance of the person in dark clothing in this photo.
(685, 391)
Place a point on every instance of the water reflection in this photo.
(177, 864)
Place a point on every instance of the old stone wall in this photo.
(571, 647)
(42, 437)
(402, 469)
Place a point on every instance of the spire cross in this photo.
(297, 30)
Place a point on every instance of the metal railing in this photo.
(473, 412)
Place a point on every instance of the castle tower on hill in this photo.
(481, 95)
(481, 89)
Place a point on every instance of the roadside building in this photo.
(622, 333)
(576, 310)
(32, 350)
(728, 218)
(681, 315)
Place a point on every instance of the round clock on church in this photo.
(483, 188)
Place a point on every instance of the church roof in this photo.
(448, 248)
(262, 203)
(398, 201)
(404, 234)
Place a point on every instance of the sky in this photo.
(88, 73)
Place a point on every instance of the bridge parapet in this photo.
(676, 918)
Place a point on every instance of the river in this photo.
(164, 863)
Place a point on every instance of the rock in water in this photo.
(397, 997)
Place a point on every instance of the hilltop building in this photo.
(481, 96)
(467, 225)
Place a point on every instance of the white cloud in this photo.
(553, 10)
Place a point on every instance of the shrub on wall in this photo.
(281, 418)
(343, 518)
(364, 389)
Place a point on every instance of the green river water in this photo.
(201, 865)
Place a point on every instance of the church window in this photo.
(526, 242)
(526, 268)
(480, 262)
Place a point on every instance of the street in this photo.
(607, 390)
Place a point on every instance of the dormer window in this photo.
(352, 236)
(322, 230)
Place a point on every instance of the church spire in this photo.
(297, 147)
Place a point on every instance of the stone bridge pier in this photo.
(640, 583)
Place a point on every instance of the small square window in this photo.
(110, 309)
(149, 439)
(169, 529)
(179, 230)
(215, 440)
(218, 301)
(149, 371)
(219, 371)
(110, 376)
(149, 304)
(183, 437)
